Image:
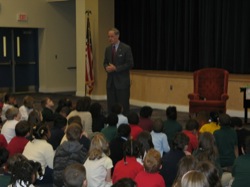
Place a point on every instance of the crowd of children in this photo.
(77, 145)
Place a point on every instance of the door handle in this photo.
(4, 47)
(18, 46)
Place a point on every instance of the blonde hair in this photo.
(152, 161)
(194, 179)
(98, 146)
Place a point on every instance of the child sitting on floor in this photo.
(47, 109)
(74, 175)
(128, 167)
(98, 165)
(150, 177)
(18, 142)
(25, 172)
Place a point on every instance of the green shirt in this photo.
(241, 171)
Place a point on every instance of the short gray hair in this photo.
(116, 31)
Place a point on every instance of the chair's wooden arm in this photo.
(224, 96)
(194, 96)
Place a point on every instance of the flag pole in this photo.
(89, 72)
(87, 12)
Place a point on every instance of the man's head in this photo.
(113, 36)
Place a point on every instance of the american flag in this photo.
(89, 74)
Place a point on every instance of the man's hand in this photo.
(110, 68)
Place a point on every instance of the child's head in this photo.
(211, 173)
(47, 102)
(206, 141)
(171, 113)
(214, 117)
(25, 172)
(146, 112)
(74, 175)
(192, 125)
(83, 104)
(35, 117)
(12, 113)
(98, 146)
(41, 131)
(224, 120)
(186, 164)
(13, 159)
(152, 161)
(116, 108)
(73, 132)
(180, 141)
(207, 147)
(64, 102)
(28, 102)
(95, 109)
(10, 99)
(112, 119)
(75, 119)
(133, 118)
(65, 111)
(194, 179)
(22, 128)
(124, 130)
(125, 182)
(131, 148)
(145, 139)
(158, 125)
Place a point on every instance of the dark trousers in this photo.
(120, 96)
(47, 180)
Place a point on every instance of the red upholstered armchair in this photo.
(210, 90)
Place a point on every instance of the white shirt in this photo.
(160, 142)
(96, 171)
(121, 120)
(23, 184)
(24, 111)
(4, 109)
(40, 151)
(8, 129)
(86, 119)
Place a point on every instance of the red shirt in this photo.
(146, 124)
(135, 131)
(193, 141)
(145, 179)
(17, 145)
(129, 170)
(3, 142)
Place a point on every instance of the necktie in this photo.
(113, 53)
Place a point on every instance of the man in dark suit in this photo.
(118, 61)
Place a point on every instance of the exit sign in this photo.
(22, 17)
